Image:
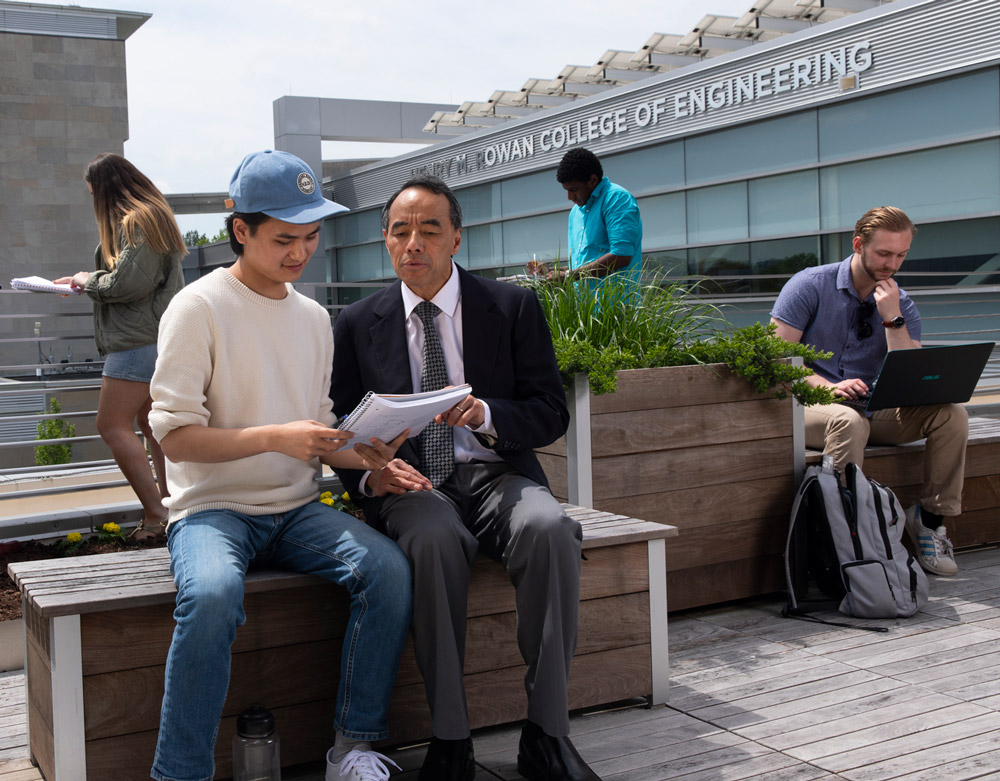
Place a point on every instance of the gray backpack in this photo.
(848, 538)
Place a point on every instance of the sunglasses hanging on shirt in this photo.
(865, 310)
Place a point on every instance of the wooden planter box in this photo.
(697, 448)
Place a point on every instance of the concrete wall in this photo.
(62, 102)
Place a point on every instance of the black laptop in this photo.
(928, 375)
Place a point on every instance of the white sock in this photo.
(345, 745)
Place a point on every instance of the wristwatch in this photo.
(896, 322)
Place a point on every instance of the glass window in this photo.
(964, 252)
(729, 264)
(461, 257)
(837, 246)
(349, 295)
(532, 193)
(484, 245)
(947, 109)
(649, 170)
(762, 146)
(663, 220)
(480, 203)
(780, 205)
(948, 182)
(355, 227)
(717, 213)
(360, 263)
(959, 255)
(780, 259)
(543, 236)
(666, 264)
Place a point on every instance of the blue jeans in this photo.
(209, 555)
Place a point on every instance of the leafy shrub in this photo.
(621, 325)
(755, 353)
(54, 428)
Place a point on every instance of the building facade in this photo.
(63, 101)
(749, 166)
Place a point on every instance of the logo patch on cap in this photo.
(306, 183)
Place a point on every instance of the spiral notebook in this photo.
(42, 285)
(386, 415)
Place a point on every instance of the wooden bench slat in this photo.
(90, 584)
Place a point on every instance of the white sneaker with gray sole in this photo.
(934, 550)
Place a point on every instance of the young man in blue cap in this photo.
(242, 412)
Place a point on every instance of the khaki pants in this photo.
(842, 432)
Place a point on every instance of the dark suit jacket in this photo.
(509, 362)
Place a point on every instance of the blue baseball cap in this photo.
(281, 186)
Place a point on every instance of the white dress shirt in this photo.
(449, 325)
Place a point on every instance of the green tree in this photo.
(222, 235)
(54, 428)
(194, 239)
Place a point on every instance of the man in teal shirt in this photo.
(605, 230)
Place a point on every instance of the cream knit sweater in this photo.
(230, 358)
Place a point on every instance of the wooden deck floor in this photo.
(754, 695)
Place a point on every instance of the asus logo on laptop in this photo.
(931, 377)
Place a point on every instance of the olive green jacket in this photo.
(130, 298)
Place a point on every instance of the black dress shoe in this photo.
(541, 757)
(448, 760)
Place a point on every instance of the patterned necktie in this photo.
(435, 443)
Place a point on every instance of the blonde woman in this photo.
(138, 271)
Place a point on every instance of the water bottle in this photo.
(255, 746)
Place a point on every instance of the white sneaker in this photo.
(358, 766)
(934, 550)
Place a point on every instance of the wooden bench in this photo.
(98, 629)
(901, 467)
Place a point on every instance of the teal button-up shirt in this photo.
(608, 222)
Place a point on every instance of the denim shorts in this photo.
(134, 365)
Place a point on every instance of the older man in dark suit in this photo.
(441, 326)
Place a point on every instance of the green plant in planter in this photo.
(664, 323)
(343, 502)
(622, 326)
(54, 428)
(755, 352)
(111, 532)
(70, 544)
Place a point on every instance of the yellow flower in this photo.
(325, 495)
(345, 496)
(111, 528)
(74, 537)
(328, 501)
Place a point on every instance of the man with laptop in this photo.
(855, 310)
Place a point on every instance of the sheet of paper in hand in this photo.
(386, 415)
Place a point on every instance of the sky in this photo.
(203, 74)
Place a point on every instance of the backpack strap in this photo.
(790, 611)
(810, 478)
